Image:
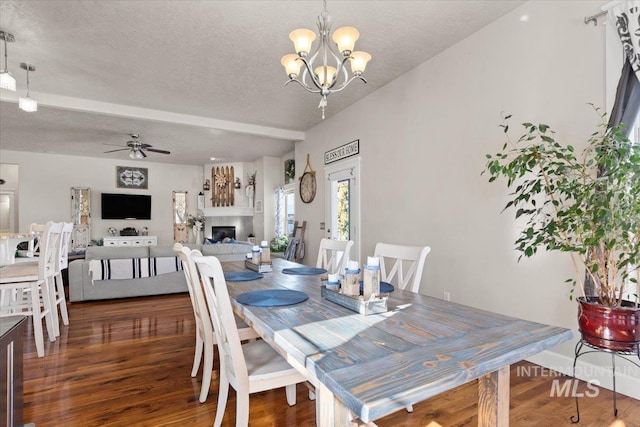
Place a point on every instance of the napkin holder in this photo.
(377, 304)
(259, 268)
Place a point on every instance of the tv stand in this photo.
(130, 241)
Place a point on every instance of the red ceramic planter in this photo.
(611, 328)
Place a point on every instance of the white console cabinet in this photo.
(131, 241)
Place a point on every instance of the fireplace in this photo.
(220, 232)
(242, 226)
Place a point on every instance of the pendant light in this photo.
(6, 79)
(25, 103)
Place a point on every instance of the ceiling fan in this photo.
(135, 148)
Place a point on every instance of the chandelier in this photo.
(319, 74)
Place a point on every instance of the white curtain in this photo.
(279, 202)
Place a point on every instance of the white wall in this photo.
(240, 170)
(46, 180)
(270, 175)
(423, 140)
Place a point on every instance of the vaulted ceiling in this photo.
(199, 78)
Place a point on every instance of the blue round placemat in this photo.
(242, 276)
(272, 297)
(304, 271)
(385, 288)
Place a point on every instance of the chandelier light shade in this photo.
(323, 69)
(359, 62)
(25, 103)
(345, 38)
(6, 79)
(291, 64)
(302, 40)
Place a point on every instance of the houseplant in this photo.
(589, 206)
(279, 244)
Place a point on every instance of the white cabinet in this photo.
(131, 241)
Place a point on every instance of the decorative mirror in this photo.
(180, 229)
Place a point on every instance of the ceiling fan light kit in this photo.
(136, 148)
(319, 76)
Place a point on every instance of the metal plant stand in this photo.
(583, 347)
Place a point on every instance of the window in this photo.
(289, 211)
(285, 210)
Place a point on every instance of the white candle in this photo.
(264, 243)
(333, 278)
(373, 261)
(353, 265)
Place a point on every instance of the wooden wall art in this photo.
(222, 188)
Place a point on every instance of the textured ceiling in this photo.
(208, 59)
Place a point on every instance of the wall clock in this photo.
(308, 183)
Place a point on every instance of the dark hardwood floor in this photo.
(127, 363)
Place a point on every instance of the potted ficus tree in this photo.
(587, 205)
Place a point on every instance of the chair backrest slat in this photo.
(65, 241)
(407, 263)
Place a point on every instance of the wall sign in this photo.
(127, 177)
(342, 152)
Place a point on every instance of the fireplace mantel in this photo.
(226, 211)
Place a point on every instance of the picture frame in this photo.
(132, 177)
(258, 206)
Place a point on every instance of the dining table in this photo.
(8, 245)
(365, 367)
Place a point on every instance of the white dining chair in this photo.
(249, 368)
(402, 266)
(24, 288)
(205, 336)
(333, 255)
(36, 231)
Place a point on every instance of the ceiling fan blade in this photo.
(159, 151)
(113, 151)
(143, 153)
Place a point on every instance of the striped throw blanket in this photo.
(132, 268)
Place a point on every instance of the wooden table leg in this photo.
(493, 399)
(332, 412)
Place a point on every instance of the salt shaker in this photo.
(351, 284)
(371, 278)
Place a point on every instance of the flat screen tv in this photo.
(126, 206)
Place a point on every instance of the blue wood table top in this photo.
(381, 363)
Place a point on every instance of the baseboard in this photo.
(627, 375)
